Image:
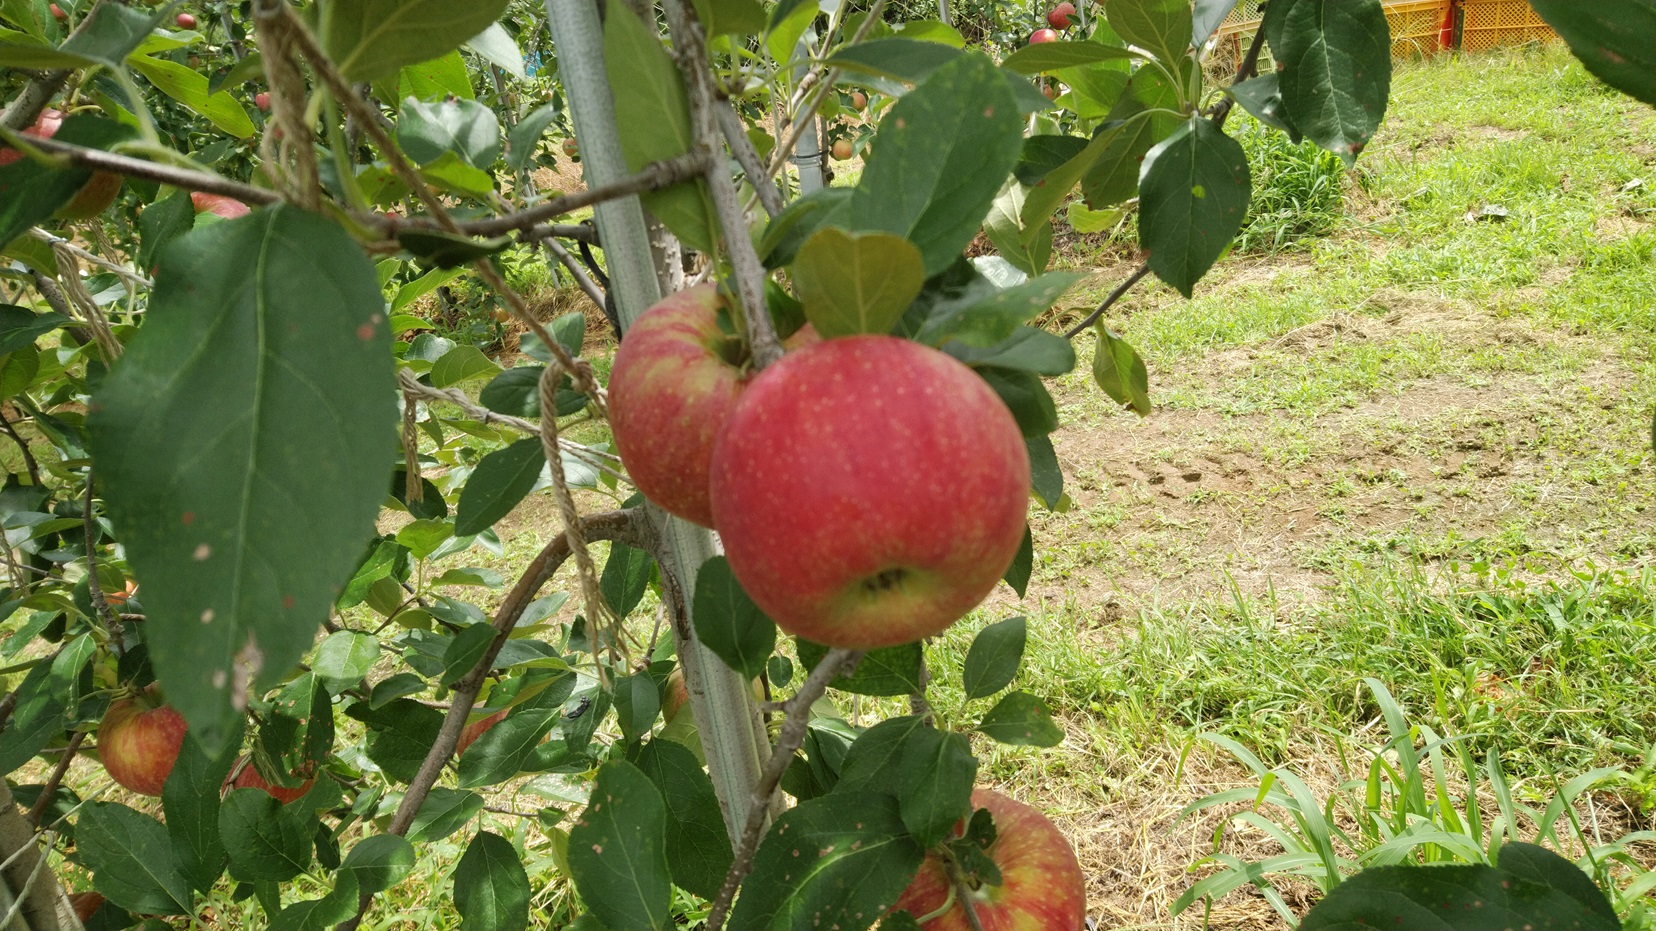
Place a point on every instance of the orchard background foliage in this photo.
(257, 284)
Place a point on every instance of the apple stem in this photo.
(963, 893)
(798, 710)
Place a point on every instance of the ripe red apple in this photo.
(95, 195)
(859, 100)
(244, 776)
(219, 205)
(1041, 888)
(841, 149)
(675, 379)
(1042, 35)
(58, 13)
(869, 491)
(262, 101)
(1050, 91)
(1059, 18)
(571, 147)
(139, 741)
(186, 21)
(475, 730)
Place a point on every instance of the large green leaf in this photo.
(497, 484)
(1334, 65)
(1539, 893)
(241, 443)
(993, 658)
(1615, 39)
(728, 622)
(502, 751)
(985, 320)
(491, 888)
(107, 36)
(465, 127)
(189, 88)
(190, 799)
(1120, 371)
(266, 840)
(872, 762)
(444, 812)
(618, 851)
(379, 862)
(626, 577)
(940, 157)
(340, 904)
(498, 46)
(400, 734)
(372, 38)
(856, 282)
(885, 671)
(908, 60)
(1207, 16)
(1162, 27)
(836, 861)
(524, 138)
(1052, 56)
(1021, 719)
(1193, 196)
(654, 115)
(935, 790)
(698, 847)
(1028, 248)
(131, 859)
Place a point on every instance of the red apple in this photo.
(1060, 15)
(219, 205)
(262, 101)
(186, 21)
(571, 147)
(1050, 91)
(139, 741)
(1041, 888)
(58, 13)
(95, 195)
(244, 776)
(858, 100)
(1042, 35)
(841, 149)
(676, 695)
(869, 491)
(475, 730)
(676, 378)
(85, 904)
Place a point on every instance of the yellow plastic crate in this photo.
(1487, 24)
(1416, 27)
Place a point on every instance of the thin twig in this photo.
(29, 461)
(788, 741)
(94, 590)
(582, 279)
(58, 242)
(963, 895)
(1116, 295)
(38, 810)
(748, 157)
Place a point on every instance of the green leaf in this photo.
(435, 79)
(449, 251)
(654, 115)
(1615, 39)
(799, 221)
(344, 659)
(190, 89)
(1051, 56)
(1193, 197)
(503, 750)
(1028, 248)
(910, 61)
(1334, 63)
(131, 858)
(1262, 97)
(1045, 477)
(637, 703)
(835, 861)
(369, 39)
(400, 734)
(1161, 27)
(873, 760)
(515, 392)
(112, 32)
(728, 622)
(1023, 720)
(378, 862)
(190, 799)
(1113, 176)
(698, 848)
(885, 671)
(498, 46)
(20, 326)
(935, 791)
(31, 192)
(731, 18)
(617, 850)
(1026, 397)
(161, 222)
(340, 904)
(491, 888)
(993, 659)
(940, 158)
(465, 127)
(524, 138)
(443, 812)
(1028, 349)
(497, 484)
(1120, 371)
(856, 282)
(626, 577)
(1456, 898)
(462, 363)
(986, 319)
(465, 651)
(266, 840)
(1207, 16)
(1023, 563)
(241, 442)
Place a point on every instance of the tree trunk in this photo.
(44, 905)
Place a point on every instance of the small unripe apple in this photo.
(94, 197)
(502, 315)
(1050, 91)
(262, 101)
(859, 100)
(571, 148)
(869, 490)
(186, 21)
(1042, 35)
(1060, 15)
(841, 149)
(58, 13)
(244, 776)
(138, 743)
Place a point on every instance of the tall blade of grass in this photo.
(1312, 824)
(1566, 797)
(1238, 874)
